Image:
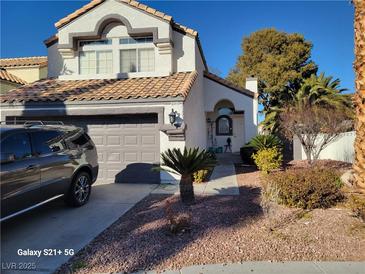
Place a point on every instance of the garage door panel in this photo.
(130, 140)
(148, 140)
(128, 146)
(113, 140)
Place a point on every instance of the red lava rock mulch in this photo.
(224, 229)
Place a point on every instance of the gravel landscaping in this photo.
(223, 229)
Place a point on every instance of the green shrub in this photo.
(200, 176)
(304, 188)
(257, 143)
(260, 142)
(268, 159)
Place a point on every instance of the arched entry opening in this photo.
(225, 127)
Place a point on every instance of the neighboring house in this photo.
(30, 69)
(9, 81)
(122, 70)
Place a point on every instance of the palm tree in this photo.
(186, 163)
(313, 91)
(321, 91)
(359, 65)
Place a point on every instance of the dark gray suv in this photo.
(41, 162)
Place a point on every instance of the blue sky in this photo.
(221, 26)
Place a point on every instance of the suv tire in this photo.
(80, 190)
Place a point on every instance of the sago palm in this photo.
(359, 65)
(260, 142)
(186, 163)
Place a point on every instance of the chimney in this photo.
(252, 85)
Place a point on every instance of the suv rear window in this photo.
(17, 144)
(47, 141)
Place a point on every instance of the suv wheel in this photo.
(80, 190)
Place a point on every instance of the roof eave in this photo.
(229, 85)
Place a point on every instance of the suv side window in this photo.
(47, 141)
(81, 140)
(17, 144)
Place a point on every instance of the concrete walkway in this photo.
(223, 180)
(57, 227)
(273, 268)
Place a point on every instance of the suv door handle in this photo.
(31, 167)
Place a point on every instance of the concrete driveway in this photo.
(61, 230)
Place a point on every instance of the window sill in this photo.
(113, 75)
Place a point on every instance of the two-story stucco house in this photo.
(138, 82)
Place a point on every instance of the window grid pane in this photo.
(105, 61)
(96, 42)
(146, 60)
(128, 61)
(139, 40)
(87, 62)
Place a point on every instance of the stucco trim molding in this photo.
(174, 134)
(68, 111)
(103, 23)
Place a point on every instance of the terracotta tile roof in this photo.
(176, 85)
(24, 61)
(77, 13)
(51, 40)
(5, 75)
(228, 84)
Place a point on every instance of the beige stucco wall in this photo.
(29, 74)
(214, 92)
(181, 56)
(5, 86)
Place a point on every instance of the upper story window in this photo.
(97, 42)
(96, 62)
(129, 58)
(139, 40)
(133, 55)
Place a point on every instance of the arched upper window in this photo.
(224, 125)
(225, 111)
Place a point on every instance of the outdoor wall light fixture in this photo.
(172, 117)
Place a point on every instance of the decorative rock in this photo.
(348, 178)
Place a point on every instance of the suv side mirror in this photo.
(7, 158)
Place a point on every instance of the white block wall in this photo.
(342, 149)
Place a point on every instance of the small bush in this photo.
(260, 142)
(178, 223)
(357, 205)
(304, 188)
(200, 176)
(268, 159)
(257, 143)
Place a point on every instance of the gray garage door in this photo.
(128, 145)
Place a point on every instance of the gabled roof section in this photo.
(24, 61)
(94, 3)
(7, 76)
(176, 85)
(144, 8)
(228, 84)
